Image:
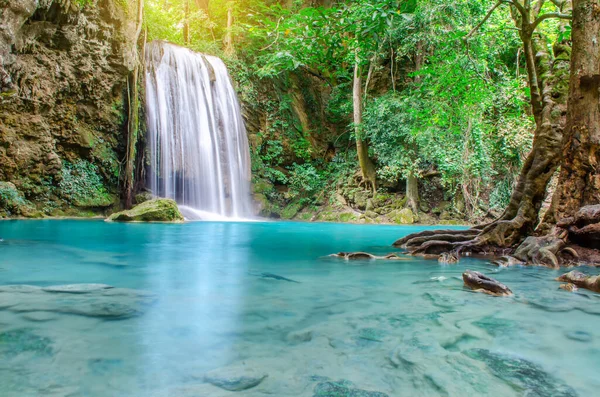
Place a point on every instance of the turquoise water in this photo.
(198, 297)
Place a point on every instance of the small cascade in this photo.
(199, 152)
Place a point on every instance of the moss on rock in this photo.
(157, 210)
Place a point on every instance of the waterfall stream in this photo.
(199, 152)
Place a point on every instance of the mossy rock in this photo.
(143, 197)
(404, 216)
(12, 202)
(290, 211)
(157, 210)
(347, 217)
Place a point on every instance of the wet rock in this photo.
(580, 336)
(448, 258)
(581, 280)
(23, 340)
(236, 378)
(522, 374)
(76, 288)
(480, 282)
(343, 388)
(157, 210)
(568, 287)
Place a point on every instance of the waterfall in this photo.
(199, 152)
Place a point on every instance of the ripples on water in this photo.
(197, 297)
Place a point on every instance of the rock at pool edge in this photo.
(157, 210)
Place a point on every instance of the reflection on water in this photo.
(221, 297)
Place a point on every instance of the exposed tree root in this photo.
(480, 282)
(581, 280)
(366, 255)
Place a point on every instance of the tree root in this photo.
(480, 282)
(366, 255)
(581, 280)
(498, 238)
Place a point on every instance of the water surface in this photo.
(202, 296)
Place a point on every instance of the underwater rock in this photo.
(579, 336)
(581, 280)
(23, 340)
(299, 337)
(371, 334)
(480, 282)
(273, 277)
(40, 316)
(76, 288)
(522, 374)
(157, 210)
(104, 302)
(236, 378)
(343, 388)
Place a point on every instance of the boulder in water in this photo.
(581, 280)
(157, 210)
(480, 282)
(235, 378)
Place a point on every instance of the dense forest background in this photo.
(446, 120)
(399, 111)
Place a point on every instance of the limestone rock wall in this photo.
(63, 80)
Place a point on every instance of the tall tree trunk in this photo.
(186, 21)
(547, 74)
(228, 41)
(412, 193)
(367, 167)
(133, 121)
(579, 179)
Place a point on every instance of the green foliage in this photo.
(436, 102)
(82, 185)
(11, 200)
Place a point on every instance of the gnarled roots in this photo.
(498, 239)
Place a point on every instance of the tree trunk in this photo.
(579, 180)
(228, 41)
(186, 22)
(367, 167)
(412, 193)
(202, 4)
(547, 76)
(133, 121)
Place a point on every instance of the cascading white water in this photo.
(199, 152)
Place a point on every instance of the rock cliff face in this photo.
(63, 80)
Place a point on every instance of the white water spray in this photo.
(199, 152)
